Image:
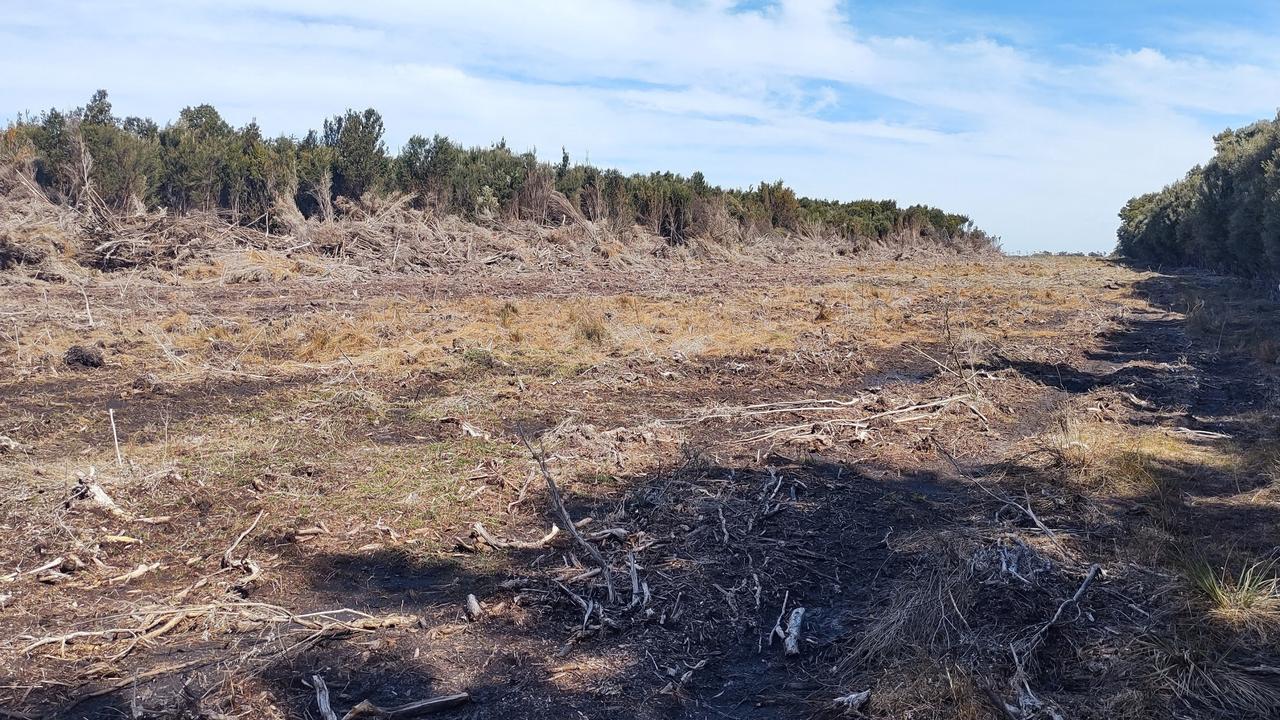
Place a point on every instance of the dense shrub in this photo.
(200, 162)
(1224, 215)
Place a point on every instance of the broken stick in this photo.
(499, 543)
(557, 503)
(226, 556)
(322, 698)
(367, 709)
(792, 641)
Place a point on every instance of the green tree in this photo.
(360, 156)
(195, 152)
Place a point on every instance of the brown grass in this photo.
(1247, 598)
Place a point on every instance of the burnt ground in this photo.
(996, 444)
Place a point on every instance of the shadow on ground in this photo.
(916, 580)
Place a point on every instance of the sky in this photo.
(1037, 120)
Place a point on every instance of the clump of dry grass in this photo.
(1205, 678)
(507, 313)
(1248, 599)
(325, 342)
(918, 612)
(589, 325)
(1075, 443)
(358, 400)
(1111, 459)
(924, 689)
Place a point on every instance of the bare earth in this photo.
(994, 486)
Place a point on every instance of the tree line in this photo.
(1224, 215)
(200, 162)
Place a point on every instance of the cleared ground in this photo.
(1007, 488)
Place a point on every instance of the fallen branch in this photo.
(635, 579)
(322, 698)
(1036, 639)
(1027, 702)
(137, 572)
(853, 701)
(862, 422)
(115, 437)
(557, 503)
(792, 641)
(777, 624)
(366, 709)
(1025, 510)
(773, 408)
(516, 544)
(226, 556)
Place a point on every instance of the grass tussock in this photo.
(919, 612)
(1075, 443)
(1247, 599)
(589, 326)
(930, 690)
(1123, 463)
(507, 313)
(1243, 325)
(322, 342)
(1205, 678)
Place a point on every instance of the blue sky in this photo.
(1037, 119)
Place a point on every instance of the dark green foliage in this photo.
(360, 157)
(195, 155)
(87, 156)
(1224, 215)
(200, 162)
(54, 138)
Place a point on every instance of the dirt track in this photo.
(1006, 426)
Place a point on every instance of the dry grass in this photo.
(916, 613)
(555, 334)
(362, 390)
(1205, 679)
(1112, 461)
(1248, 598)
(1243, 324)
(928, 689)
(1078, 443)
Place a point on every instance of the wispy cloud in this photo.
(1038, 141)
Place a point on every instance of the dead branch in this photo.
(861, 423)
(322, 698)
(853, 701)
(137, 572)
(499, 543)
(226, 556)
(1027, 702)
(366, 709)
(635, 579)
(557, 503)
(1036, 639)
(792, 641)
(1024, 509)
(777, 624)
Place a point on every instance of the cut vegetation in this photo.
(393, 457)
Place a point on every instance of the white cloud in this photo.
(1038, 149)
